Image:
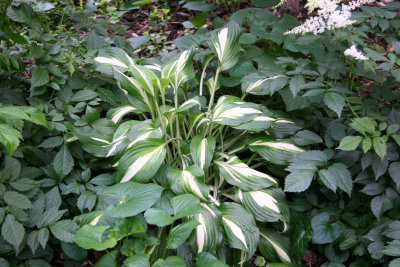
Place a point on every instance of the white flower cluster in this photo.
(353, 52)
(330, 16)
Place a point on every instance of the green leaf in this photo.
(225, 44)
(136, 261)
(379, 146)
(158, 217)
(324, 231)
(63, 162)
(116, 114)
(90, 237)
(108, 260)
(126, 226)
(350, 143)
(73, 251)
(12, 231)
(17, 200)
(185, 205)
(9, 137)
(23, 184)
(50, 216)
(335, 102)
(337, 175)
(274, 246)
(170, 261)
(190, 180)
(366, 144)
(86, 200)
(179, 71)
(363, 125)
(394, 263)
(180, 233)
(232, 111)
(40, 77)
(237, 173)
(268, 205)
(21, 13)
(83, 95)
(296, 84)
(206, 259)
(305, 137)
(208, 234)
(141, 162)
(202, 150)
(43, 236)
(64, 230)
(300, 178)
(94, 41)
(240, 228)
(133, 198)
(277, 151)
(392, 249)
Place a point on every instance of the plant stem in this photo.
(213, 89)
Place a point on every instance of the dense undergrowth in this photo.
(246, 145)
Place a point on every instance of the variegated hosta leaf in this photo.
(195, 101)
(233, 111)
(277, 151)
(257, 124)
(202, 150)
(141, 162)
(93, 142)
(116, 114)
(268, 205)
(237, 173)
(190, 180)
(129, 84)
(251, 83)
(240, 228)
(208, 234)
(274, 246)
(225, 43)
(179, 70)
(113, 57)
(145, 78)
(143, 130)
(120, 138)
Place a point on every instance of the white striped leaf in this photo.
(225, 44)
(202, 150)
(143, 130)
(116, 114)
(180, 70)
(120, 139)
(142, 161)
(277, 151)
(240, 228)
(233, 111)
(133, 198)
(195, 101)
(252, 83)
(93, 142)
(190, 180)
(257, 124)
(114, 57)
(268, 205)
(208, 234)
(145, 78)
(274, 246)
(129, 84)
(237, 173)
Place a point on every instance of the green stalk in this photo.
(213, 89)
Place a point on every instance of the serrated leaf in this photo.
(9, 137)
(52, 142)
(366, 144)
(17, 200)
(133, 198)
(23, 184)
(12, 231)
(40, 77)
(32, 241)
(64, 230)
(296, 84)
(63, 162)
(90, 237)
(305, 137)
(379, 146)
(350, 143)
(335, 102)
(337, 175)
(300, 179)
(325, 231)
(50, 216)
(43, 236)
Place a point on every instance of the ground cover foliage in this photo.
(244, 146)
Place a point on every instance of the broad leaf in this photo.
(324, 230)
(274, 246)
(64, 230)
(133, 198)
(141, 162)
(240, 228)
(335, 102)
(350, 143)
(12, 231)
(9, 137)
(17, 200)
(237, 173)
(337, 175)
(126, 226)
(180, 233)
(63, 162)
(202, 150)
(90, 237)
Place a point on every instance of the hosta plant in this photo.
(197, 177)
